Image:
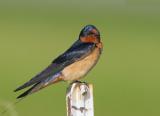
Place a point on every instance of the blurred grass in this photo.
(126, 79)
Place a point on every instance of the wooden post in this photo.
(79, 99)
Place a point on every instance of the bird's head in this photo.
(89, 34)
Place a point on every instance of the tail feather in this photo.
(23, 86)
(38, 86)
(27, 92)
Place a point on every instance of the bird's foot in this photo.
(77, 81)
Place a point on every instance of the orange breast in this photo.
(80, 68)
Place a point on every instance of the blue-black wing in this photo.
(76, 52)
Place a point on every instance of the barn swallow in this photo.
(72, 65)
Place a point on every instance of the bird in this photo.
(72, 65)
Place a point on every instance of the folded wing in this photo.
(75, 53)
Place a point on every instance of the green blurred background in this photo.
(127, 78)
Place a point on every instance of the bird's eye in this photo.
(91, 33)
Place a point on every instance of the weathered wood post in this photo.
(79, 99)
